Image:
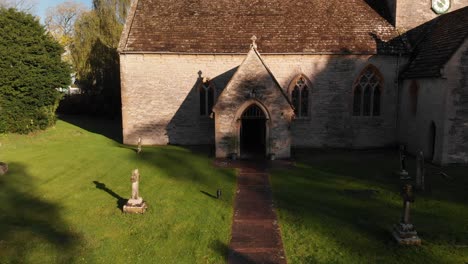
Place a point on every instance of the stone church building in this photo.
(258, 77)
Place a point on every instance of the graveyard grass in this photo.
(62, 199)
(61, 203)
(339, 207)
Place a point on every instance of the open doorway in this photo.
(253, 133)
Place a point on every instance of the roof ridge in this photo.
(273, 77)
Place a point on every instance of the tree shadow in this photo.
(342, 192)
(28, 221)
(110, 128)
(186, 127)
(120, 200)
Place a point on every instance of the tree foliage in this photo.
(60, 21)
(30, 71)
(94, 53)
(27, 6)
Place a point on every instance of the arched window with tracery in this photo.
(413, 91)
(207, 97)
(367, 92)
(299, 94)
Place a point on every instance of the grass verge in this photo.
(339, 207)
(63, 194)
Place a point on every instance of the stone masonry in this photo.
(160, 99)
(253, 75)
(409, 14)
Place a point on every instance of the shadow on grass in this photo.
(109, 128)
(120, 200)
(350, 199)
(232, 256)
(28, 221)
(209, 194)
(196, 167)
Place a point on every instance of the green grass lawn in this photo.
(339, 207)
(61, 200)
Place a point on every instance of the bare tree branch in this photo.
(28, 6)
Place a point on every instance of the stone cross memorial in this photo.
(135, 204)
(404, 232)
(420, 171)
(139, 146)
(403, 172)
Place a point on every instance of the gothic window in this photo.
(207, 97)
(300, 97)
(414, 89)
(368, 92)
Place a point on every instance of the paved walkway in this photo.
(256, 237)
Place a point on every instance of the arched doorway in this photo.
(253, 133)
(432, 141)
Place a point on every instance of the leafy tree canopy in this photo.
(95, 58)
(30, 71)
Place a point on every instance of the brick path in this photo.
(256, 237)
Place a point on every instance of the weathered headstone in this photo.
(135, 204)
(404, 231)
(139, 146)
(403, 172)
(3, 168)
(420, 171)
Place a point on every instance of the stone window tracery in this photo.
(300, 97)
(207, 97)
(367, 91)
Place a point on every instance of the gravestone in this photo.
(420, 171)
(139, 146)
(135, 204)
(404, 232)
(403, 172)
(3, 168)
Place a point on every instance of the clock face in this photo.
(440, 6)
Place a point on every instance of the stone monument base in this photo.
(405, 234)
(3, 168)
(135, 206)
(404, 175)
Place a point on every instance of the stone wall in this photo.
(237, 97)
(457, 106)
(443, 101)
(330, 123)
(412, 13)
(160, 100)
(415, 128)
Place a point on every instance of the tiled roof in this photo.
(447, 34)
(282, 26)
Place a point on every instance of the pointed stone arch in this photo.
(207, 96)
(253, 83)
(367, 92)
(299, 92)
(248, 104)
(253, 125)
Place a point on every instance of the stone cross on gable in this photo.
(254, 45)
